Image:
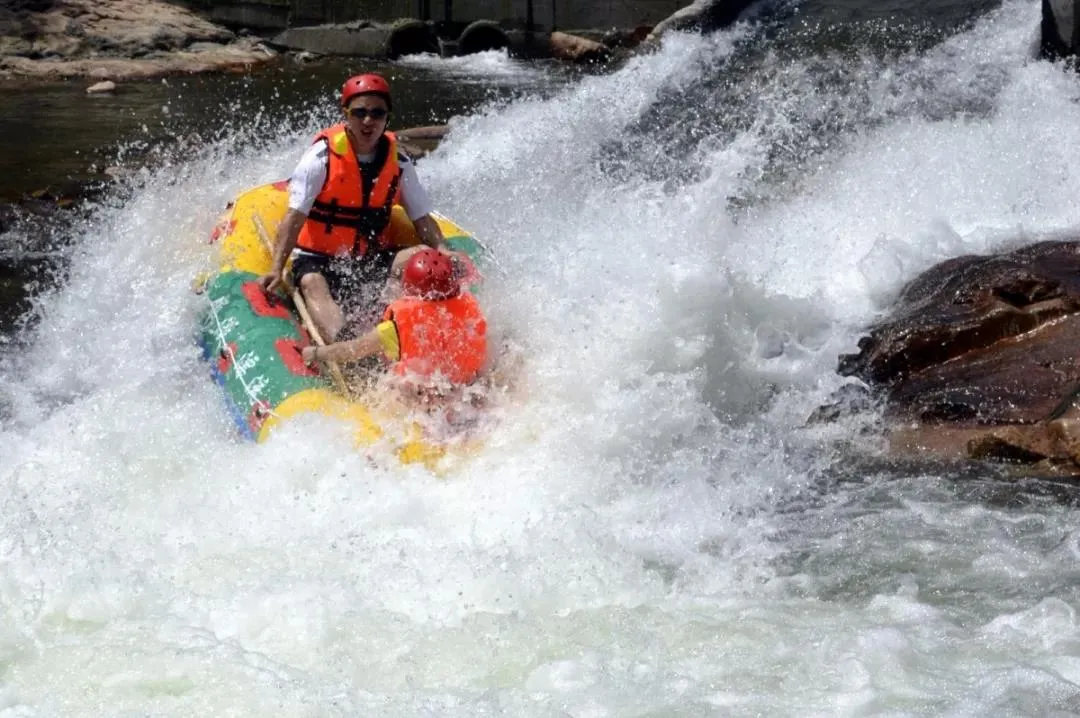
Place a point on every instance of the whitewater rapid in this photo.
(651, 529)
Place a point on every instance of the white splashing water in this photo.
(634, 539)
(483, 67)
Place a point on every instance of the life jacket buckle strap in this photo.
(333, 210)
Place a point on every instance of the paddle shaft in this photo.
(301, 308)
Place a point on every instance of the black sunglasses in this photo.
(375, 113)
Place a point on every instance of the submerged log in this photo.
(418, 142)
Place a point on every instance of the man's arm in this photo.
(305, 183)
(428, 231)
(365, 346)
(287, 234)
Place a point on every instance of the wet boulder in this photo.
(981, 358)
(699, 16)
(1058, 30)
(575, 48)
(418, 142)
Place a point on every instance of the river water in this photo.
(685, 245)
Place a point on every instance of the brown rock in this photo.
(989, 339)
(15, 46)
(117, 39)
(1065, 433)
(578, 49)
(103, 86)
(417, 142)
(1024, 445)
(981, 357)
(231, 58)
(627, 38)
(428, 132)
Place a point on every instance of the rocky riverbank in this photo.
(117, 40)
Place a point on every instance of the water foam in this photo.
(616, 547)
(487, 67)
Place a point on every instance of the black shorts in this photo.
(355, 284)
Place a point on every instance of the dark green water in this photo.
(55, 136)
(57, 142)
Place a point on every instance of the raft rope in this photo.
(254, 401)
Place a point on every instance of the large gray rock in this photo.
(362, 39)
(701, 16)
(1060, 28)
(263, 16)
(115, 39)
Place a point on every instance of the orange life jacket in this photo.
(343, 221)
(448, 337)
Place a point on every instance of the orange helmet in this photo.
(430, 274)
(369, 84)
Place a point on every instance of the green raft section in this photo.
(253, 346)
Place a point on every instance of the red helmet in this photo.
(430, 274)
(369, 84)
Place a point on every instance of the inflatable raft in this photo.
(253, 341)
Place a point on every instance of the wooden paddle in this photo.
(301, 308)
